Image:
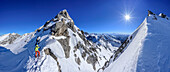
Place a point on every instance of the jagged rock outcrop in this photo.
(150, 12)
(62, 22)
(78, 61)
(162, 15)
(48, 52)
(59, 29)
(71, 26)
(65, 45)
(89, 52)
(92, 59)
(82, 36)
(63, 13)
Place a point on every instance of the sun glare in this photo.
(127, 17)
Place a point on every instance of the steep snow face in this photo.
(155, 55)
(148, 51)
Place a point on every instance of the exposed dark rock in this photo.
(149, 12)
(77, 46)
(63, 20)
(78, 29)
(59, 29)
(74, 35)
(130, 37)
(92, 59)
(63, 13)
(78, 60)
(38, 30)
(106, 64)
(74, 51)
(75, 55)
(104, 57)
(154, 18)
(82, 36)
(56, 16)
(65, 45)
(83, 55)
(99, 49)
(47, 23)
(49, 52)
(45, 29)
(79, 68)
(54, 20)
(93, 49)
(162, 15)
(71, 26)
(82, 32)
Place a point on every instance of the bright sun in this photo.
(127, 17)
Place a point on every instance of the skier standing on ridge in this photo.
(36, 50)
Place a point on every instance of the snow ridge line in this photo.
(122, 48)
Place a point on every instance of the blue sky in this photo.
(94, 16)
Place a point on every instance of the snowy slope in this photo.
(148, 50)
